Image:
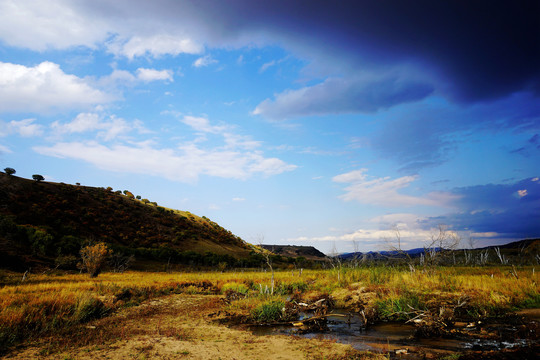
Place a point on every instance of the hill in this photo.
(45, 222)
(308, 252)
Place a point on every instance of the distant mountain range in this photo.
(515, 245)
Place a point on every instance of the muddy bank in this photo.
(425, 334)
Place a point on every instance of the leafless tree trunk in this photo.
(441, 241)
(335, 261)
(501, 257)
(267, 257)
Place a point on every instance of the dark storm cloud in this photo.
(419, 139)
(339, 96)
(512, 210)
(483, 49)
(474, 50)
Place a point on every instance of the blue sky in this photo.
(287, 122)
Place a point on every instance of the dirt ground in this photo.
(176, 327)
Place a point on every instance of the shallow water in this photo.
(389, 337)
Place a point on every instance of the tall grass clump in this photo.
(269, 311)
(399, 308)
(235, 287)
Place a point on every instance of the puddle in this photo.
(392, 337)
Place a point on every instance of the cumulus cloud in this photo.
(344, 95)
(52, 24)
(155, 45)
(204, 61)
(107, 128)
(153, 75)
(24, 128)
(236, 158)
(44, 88)
(202, 124)
(386, 191)
(184, 164)
(379, 234)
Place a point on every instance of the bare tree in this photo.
(267, 255)
(394, 245)
(335, 260)
(502, 258)
(483, 257)
(468, 254)
(356, 257)
(440, 243)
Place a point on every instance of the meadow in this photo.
(42, 305)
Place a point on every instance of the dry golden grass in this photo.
(45, 304)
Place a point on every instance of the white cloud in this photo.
(108, 128)
(204, 61)
(240, 141)
(118, 76)
(385, 191)
(39, 25)
(82, 123)
(202, 124)
(153, 75)
(379, 234)
(43, 88)
(238, 199)
(5, 149)
(25, 128)
(265, 66)
(184, 164)
(154, 45)
(522, 193)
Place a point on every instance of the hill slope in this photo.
(40, 221)
(308, 252)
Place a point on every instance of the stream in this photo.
(398, 338)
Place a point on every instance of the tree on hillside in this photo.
(38, 177)
(94, 258)
(9, 171)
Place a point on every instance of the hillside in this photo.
(308, 252)
(44, 222)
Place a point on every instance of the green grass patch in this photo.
(269, 311)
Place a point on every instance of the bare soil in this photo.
(176, 327)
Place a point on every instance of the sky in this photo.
(327, 124)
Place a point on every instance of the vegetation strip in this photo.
(47, 304)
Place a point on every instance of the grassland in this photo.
(48, 305)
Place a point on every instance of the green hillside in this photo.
(43, 223)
